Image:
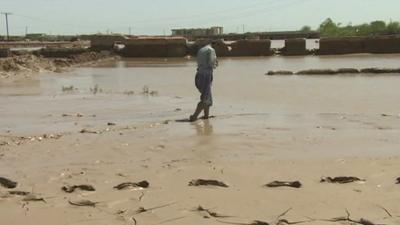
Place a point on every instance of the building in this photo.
(198, 32)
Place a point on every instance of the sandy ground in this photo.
(247, 145)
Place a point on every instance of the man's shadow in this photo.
(188, 121)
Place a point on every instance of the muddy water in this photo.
(240, 82)
(247, 103)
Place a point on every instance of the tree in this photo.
(393, 28)
(306, 29)
(378, 27)
(328, 28)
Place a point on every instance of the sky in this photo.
(153, 17)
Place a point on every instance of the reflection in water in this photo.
(204, 128)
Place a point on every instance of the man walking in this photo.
(206, 63)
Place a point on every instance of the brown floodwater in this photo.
(247, 102)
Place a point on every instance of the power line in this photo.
(6, 14)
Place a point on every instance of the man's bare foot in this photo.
(192, 118)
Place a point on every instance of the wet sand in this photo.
(266, 129)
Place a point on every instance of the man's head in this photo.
(212, 42)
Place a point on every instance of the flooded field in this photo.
(124, 121)
(245, 99)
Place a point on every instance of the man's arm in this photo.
(213, 63)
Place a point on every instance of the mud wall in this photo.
(60, 52)
(221, 48)
(105, 42)
(349, 45)
(155, 47)
(295, 47)
(4, 52)
(337, 46)
(382, 44)
(251, 48)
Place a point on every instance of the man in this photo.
(206, 63)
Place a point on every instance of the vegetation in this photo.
(329, 28)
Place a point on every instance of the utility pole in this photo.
(6, 14)
(130, 31)
(26, 30)
(243, 28)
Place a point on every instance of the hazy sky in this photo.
(159, 16)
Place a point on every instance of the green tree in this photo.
(378, 27)
(393, 28)
(328, 28)
(306, 29)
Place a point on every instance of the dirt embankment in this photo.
(26, 65)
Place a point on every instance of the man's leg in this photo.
(197, 112)
(206, 112)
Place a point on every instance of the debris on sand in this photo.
(7, 183)
(279, 72)
(68, 88)
(210, 213)
(255, 222)
(83, 203)
(70, 189)
(398, 180)
(141, 184)
(379, 70)
(202, 182)
(86, 131)
(293, 184)
(111, 124)
(69, 115)
(317, 72)
(129, 93)
(340, 180)
(19, 193)
(347, 218)
(347, 70)
(33, 198)
(142, 210)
